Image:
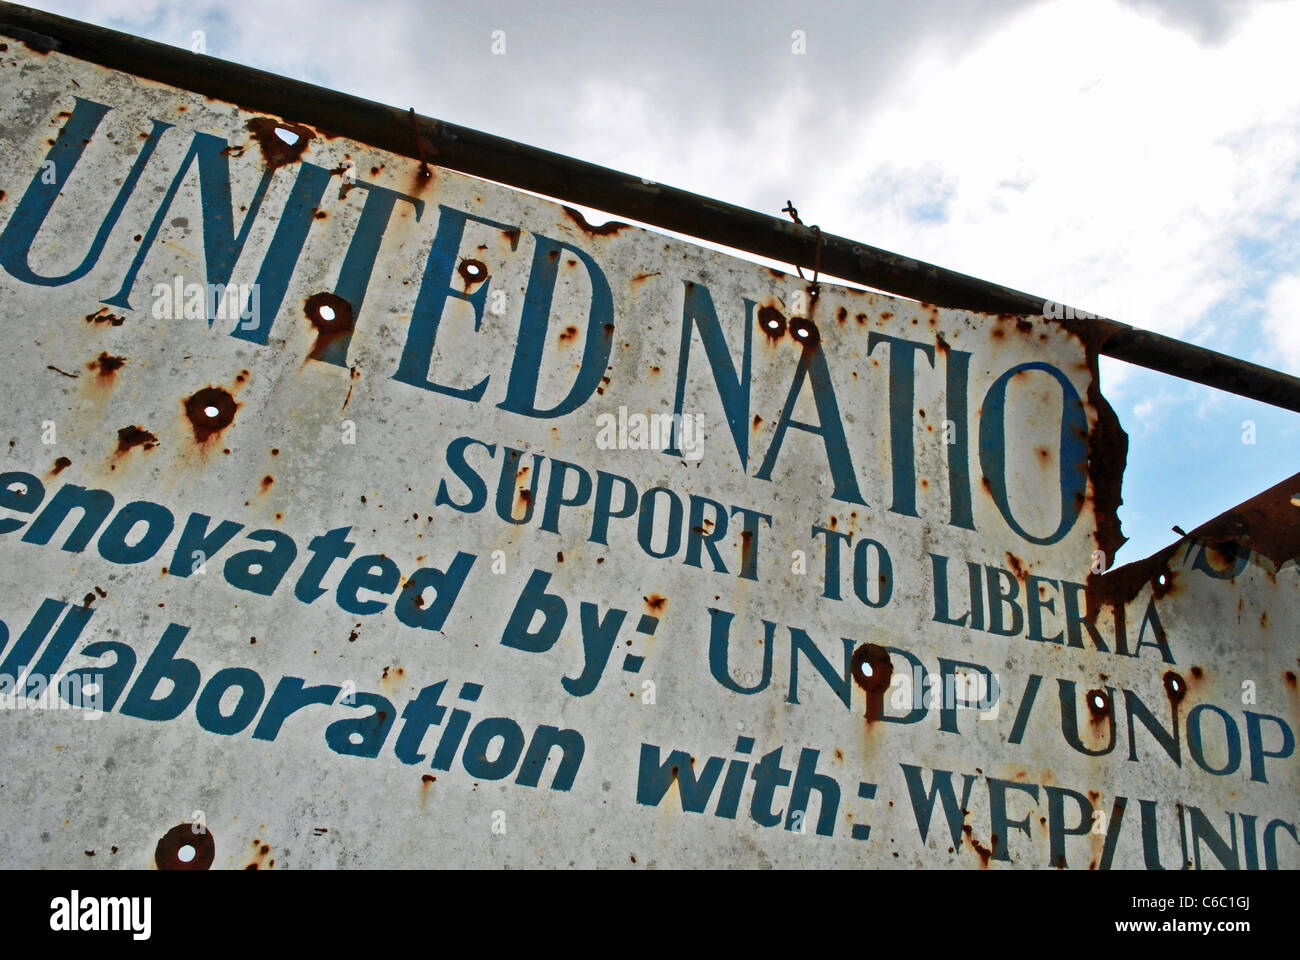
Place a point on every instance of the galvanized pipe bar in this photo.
(542, 171)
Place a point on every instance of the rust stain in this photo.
(106, 366)
(103, 316)
(1017, 567)
(60, 465)
(354, 376)
(985, 853)
(135, 436)
(746, 548)
(655, 603)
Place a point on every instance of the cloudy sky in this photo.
(1136, 158)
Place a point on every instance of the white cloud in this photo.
(1282, 323)
(1093, 155)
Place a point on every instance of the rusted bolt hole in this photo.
(288, 136)
(1097, 700)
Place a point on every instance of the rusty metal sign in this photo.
(359, 512)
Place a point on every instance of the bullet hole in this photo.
(804, 331)
(472, 271)
(1175, 687)
(281, 142)
(773, 324)
(1098, 705)
(872, 671)
(331, 315)
(1162, 583)
(210, 411)
(182, 848)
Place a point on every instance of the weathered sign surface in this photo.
(358, 512)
